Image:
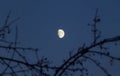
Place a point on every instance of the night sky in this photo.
(40, 20)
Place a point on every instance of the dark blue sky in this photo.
(40, 20)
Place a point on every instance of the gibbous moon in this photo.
(61, 33)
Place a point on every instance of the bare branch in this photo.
(98, 65)
(81, 53)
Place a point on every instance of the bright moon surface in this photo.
(61, 33)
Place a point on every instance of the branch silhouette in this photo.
(16, 62)
(84, 50)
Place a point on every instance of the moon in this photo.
(61, 33)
